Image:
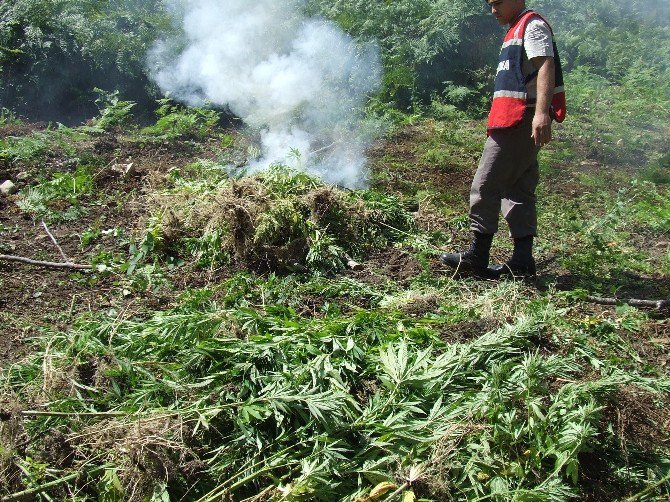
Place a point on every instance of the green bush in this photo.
(176, 121)
(114, 113)
(53, 54)
(423, 43)
(8, 117)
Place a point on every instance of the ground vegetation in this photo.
(263, 336)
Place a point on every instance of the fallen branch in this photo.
(53, 239)
(657, 304)
(45, 264)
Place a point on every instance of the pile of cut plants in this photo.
(485, 392)
(280, 220)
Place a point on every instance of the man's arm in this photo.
(545, 95)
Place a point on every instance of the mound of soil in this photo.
(395, 264)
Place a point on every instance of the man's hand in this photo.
(545, 94)
(541, 128)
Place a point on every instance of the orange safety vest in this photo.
(510, 92)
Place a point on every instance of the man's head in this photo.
(506, 11)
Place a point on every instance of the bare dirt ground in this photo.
(33, 298)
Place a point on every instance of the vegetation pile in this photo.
(232, 394)
(280, 220)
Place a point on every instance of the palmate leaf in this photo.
(404, 368)
(297, 403)
(330, 407)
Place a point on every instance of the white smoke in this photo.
(300, 81)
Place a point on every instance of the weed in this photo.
(651, 208)
(279, 220)
(90, 235)
(658, 171)
(332, 405)
(146, 279)
(227, 141)
(25, 149)
(58, 199)
(324, 253)
(614, 123)
(604, 233)
(40, 146)
(175, 121)
(113, 112)
(8, 117)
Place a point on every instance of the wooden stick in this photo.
(657, 304)
(46, 264)
(96, 175)
(53, 239)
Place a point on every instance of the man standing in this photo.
(528, 95)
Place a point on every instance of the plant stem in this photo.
(45, 264)
(400, 489)
(52, 484)
(649, 489)
(34, 413)
(53, 239)
(219, 491)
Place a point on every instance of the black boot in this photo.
(475, 260)
(521, 264)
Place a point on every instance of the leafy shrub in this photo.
(423, 43)
(618, 124)
(8, 117)
(113, 111)
(614, 38)
(53, 54)
(175, 121)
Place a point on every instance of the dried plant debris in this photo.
(278, 221)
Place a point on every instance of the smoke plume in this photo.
(300, 81)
